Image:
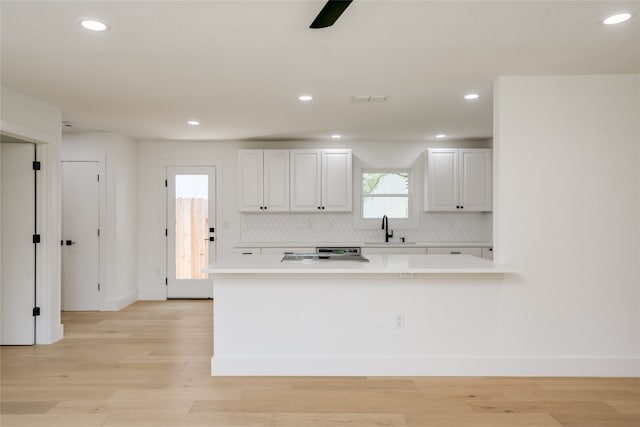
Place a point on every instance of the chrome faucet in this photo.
(385, 227)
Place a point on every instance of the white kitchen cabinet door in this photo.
(441, 186)
(455, 251)
(287, 251)
(394, 251)
(337, 181)
(321, 180)
(276, 180)
(250, 180)
(247, 251)
(263, 180)
(458, 179)
(475, 180)
(306, 180)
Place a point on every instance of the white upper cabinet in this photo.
(263, 180)
(337, 180)
(458, 179)
(306, 180)
(321, 180)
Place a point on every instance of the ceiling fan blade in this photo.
(330, 13)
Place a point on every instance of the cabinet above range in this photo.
(321, 180)
(295, 180)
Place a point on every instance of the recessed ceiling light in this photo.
(441, 135)
(305, 98)
(336, 136)
(93, 25)
(193, 122)
(617, 18)
(471, 96)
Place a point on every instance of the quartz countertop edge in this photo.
(364, 244)
(403, 265)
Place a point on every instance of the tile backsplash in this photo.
(338, 227)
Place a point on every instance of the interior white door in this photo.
(80, 234)
(18, 254)
(191, 230)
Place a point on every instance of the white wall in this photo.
(567, 215)
(154, 156)
(36, 121)
(118, 156)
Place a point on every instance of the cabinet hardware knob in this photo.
(318, 207)
(265, 208)
(323, 207)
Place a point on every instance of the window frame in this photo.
(395, 223)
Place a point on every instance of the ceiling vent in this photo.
(369, 99)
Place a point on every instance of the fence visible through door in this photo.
(190, 230)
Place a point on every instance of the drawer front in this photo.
(287, 251)
(247, 251)
(455, 251)
(394, 251)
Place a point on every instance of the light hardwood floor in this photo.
(148, 365)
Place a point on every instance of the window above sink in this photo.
(385, 191)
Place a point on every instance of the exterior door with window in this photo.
(191, 230)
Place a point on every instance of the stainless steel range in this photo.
(329, 254)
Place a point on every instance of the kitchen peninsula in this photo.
(393, 315)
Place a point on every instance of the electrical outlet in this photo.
(399, 321)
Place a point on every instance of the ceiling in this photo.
(239, 66)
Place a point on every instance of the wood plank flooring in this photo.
(148, 365)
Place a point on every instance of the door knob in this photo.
(70, 242)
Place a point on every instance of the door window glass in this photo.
(192, 226)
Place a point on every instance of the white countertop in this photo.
(404, 265)
(365, 244)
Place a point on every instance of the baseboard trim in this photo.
(120, 303)
(152, 295)
(311, 366)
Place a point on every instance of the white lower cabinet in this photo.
(394, 251)
(247, 251)
(287, 251)
(455, 251)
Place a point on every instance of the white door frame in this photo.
(217, 197)
(49, 328)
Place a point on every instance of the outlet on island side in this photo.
(399, 321)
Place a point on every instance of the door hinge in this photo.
(36, 311)
(98, 287)
(36, 166)
(166, 281)
(36, 238)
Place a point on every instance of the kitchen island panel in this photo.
(349, 326)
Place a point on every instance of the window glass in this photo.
(385, 193)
